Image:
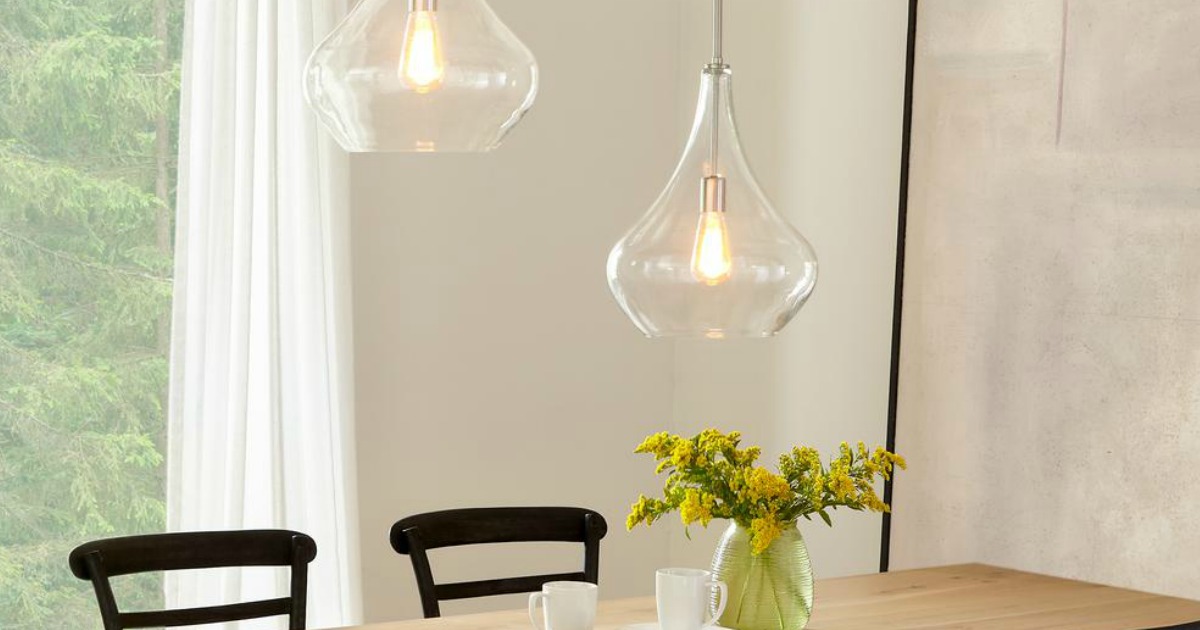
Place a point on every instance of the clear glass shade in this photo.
(421, 75)
(712, 258)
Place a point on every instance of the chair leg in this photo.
(420, 562)
(104, 595)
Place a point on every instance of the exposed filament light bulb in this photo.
(422, 64)
(712, 261)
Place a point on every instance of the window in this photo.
(88, 119)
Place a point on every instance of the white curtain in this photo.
(260, 432)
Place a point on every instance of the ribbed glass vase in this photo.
(770, 591)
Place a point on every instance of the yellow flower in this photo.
(885, 461)
(709, 465)
(806, 459)
(816, 491)
(638, 512)
(764, 484)
(711, 440)
(846, 456)
(763, 532)
(749, 455)
(872, 501)
(683, 454)
(659, 444)
(840, 484)
(696, 506)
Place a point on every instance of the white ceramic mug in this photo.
(565, 606)
(685, 598)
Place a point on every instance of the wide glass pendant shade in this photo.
(712, 258)
(421, 75)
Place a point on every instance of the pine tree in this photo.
(88, 109)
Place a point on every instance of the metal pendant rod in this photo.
(718, 32)
(714, 70)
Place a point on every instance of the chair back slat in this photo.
(475, 526)
(208, 614)
(415, 535)
(504, 586)
(192, 550)
(100, 560)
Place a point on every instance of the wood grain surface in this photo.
(971, 596)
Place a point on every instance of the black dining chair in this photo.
(103, 559)
(415, 535)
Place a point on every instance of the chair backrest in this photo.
(100, 560)
(415, 535)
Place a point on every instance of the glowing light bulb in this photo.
(711, 259)
(422, 65)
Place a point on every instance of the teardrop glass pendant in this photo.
(421, 75)
(712, 258)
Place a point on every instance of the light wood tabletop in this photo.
(966, 596)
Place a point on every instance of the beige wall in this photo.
(1051, 348)
(492, 365)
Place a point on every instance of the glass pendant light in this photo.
(421, 75)
(711, 258)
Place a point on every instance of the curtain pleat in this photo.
(261, 426)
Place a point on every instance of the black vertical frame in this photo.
(898, 297)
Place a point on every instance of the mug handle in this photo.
(724, 599)
(534, 598)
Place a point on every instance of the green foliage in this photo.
(86, 86)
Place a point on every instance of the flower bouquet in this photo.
(762, 556)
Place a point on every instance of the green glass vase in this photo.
(770, 591)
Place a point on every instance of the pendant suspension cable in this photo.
(715, 68)
(718, 33)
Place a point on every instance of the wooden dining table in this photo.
(974, 596)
